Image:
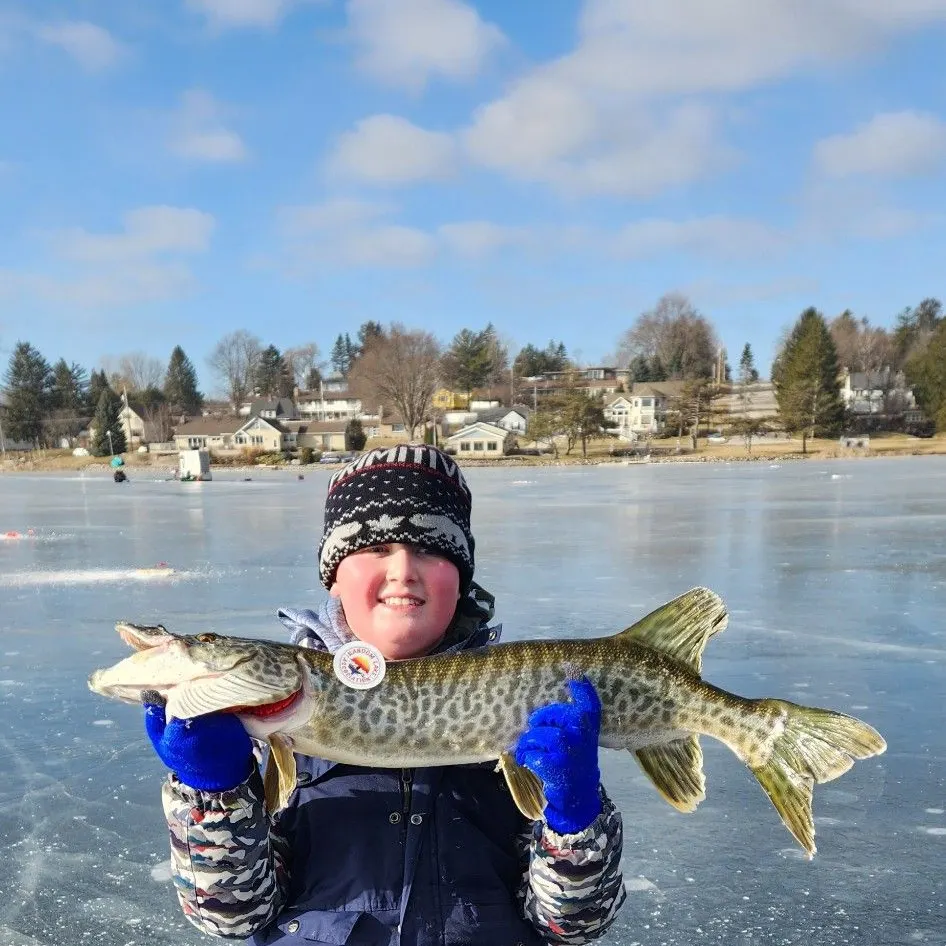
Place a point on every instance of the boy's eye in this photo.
(374, 549)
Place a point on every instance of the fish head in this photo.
(200, 673)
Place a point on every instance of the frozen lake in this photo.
(834, 574)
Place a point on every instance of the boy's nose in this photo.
(402, 563)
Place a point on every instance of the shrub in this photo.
(306, 455)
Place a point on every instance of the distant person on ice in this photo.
(367, 856)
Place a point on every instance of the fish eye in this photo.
(206, 638)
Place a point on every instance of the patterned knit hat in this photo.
(412, 493)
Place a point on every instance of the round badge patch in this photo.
(359, 665)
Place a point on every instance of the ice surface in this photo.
(836, 582)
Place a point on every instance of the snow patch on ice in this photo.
(161, 872)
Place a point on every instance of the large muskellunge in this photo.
(472, 706)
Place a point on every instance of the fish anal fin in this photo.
(681, 628)
(524, 786)
(676, 769)
(279, 779)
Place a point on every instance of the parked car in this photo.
(330, 458)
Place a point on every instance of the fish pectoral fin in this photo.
(676, 769)
(524, 786)
(279, 779)
(681, 628)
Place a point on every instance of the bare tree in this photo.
(303, 360)
(676, 341)
(234, 361)
(134, 371)
(401, 370)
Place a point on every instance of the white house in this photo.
(509, 418)
(481, 440)
(876, 392)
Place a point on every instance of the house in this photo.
(447, 400)
(481, 440)
(132, 422)
(273, 408)
(336, 403)
(876, 392)
(514, 418)
(261, 433)
(320, 435)
(617, 414)
(209, 433)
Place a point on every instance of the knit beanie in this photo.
(411, 493)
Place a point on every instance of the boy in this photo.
(368, 856)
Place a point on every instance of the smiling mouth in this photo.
(402, 601)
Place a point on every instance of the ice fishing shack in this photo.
(193, 465)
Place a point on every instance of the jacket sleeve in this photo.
(228, 864)
(573, 886)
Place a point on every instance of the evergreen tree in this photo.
(473, 359)
(28, 385)
(369, 333)
(532, 361)
(926, 372)
(806, 378)
(273, 377)
(107, 421)
(747, 371)
(339, 358)
(355, 436)
(98, 382)
(640, 370)
(180, 384)
(69, 388)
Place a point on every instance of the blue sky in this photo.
(174, 170)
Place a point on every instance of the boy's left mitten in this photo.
(212, 753)
(561, 747)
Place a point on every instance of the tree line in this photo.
(401, 368)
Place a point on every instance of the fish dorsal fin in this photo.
(279, 779)
(681, 628)
(676, 768)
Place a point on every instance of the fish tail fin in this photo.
(814, 746)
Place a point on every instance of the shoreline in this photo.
(68, 464)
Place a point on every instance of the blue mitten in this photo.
(211, 753)
(561, 747)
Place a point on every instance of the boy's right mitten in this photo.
(211, 753)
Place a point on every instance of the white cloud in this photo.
(339, 213)
(226, 14)
(405, 42)
(632, 109)
(351, 232)
(718, 236)
(91, 46)
(148, 232)
(479, 238)
(200, 133)
(891, 144)
(137, 265)
(133, 284)
(386, 149)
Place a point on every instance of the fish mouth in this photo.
(267, 711)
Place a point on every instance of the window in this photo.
(492, 445)
(464, 445)
(477, 444)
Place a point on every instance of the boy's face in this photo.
(400, 598)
